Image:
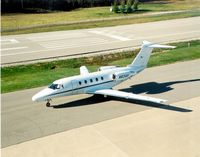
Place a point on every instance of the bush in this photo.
(122, 6)
(128, 6)
(115, 7)
(135, 4)
(131, 5)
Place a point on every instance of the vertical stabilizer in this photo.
(143, 56)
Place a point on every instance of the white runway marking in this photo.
(13, 48)
(9, 41)
(110, 35)
(29, 52)
(53, 37)
(73, 46)
(64, 43)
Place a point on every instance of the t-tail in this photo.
(141, 60)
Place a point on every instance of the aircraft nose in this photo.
(39, 96)
(35, 97)
(42, 95)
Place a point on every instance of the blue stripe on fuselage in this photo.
(80, 88)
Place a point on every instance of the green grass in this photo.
(41, 74)
(172, 5)
(16, 23)
(105, 23)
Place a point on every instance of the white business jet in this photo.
(102, 81)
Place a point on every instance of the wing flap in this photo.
(120, 94)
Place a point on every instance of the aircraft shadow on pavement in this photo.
(155, 87)
(156, 105)
(95, 99)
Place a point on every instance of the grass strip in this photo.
(103, 23)
(40, 74)
(18, 20)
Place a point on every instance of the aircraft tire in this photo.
(48, 104)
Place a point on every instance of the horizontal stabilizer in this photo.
(152, 45)
(120, 94)
(161, 46)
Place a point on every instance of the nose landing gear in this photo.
(48, 103)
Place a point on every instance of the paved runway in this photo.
(23, 120)
(36, 46)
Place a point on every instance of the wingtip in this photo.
(163, 101)
(146, 42)
(173, 47)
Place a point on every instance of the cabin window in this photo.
(85, 81)
(114, 76)
(79, 82)
(97, 79)
(61, 86)
(101, 78)
(55, 86)
(91, 80)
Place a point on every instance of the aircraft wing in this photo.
(120, 94)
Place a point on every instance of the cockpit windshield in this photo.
(55, 86)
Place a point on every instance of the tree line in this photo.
(50, 5)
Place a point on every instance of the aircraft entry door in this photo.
(75, 86)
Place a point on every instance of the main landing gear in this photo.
(48, 103)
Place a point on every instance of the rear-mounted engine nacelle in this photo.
(121, 75)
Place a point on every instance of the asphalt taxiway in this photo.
(54, 45)
(24, 120)
(149, 133)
